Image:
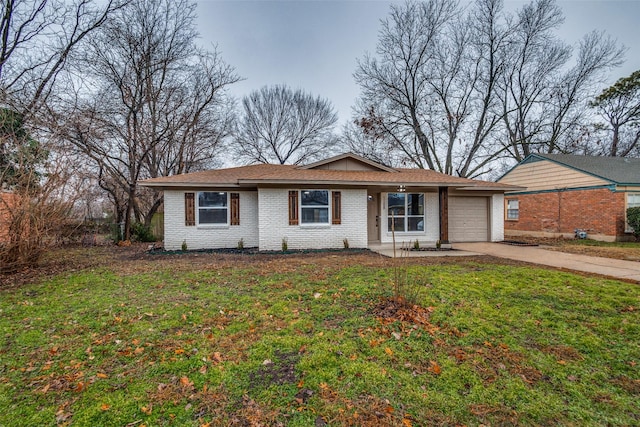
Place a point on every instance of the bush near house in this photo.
(633, 218)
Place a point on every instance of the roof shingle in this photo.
(264, 174)
(618, 170)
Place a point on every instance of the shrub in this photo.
(184, 246)
(345, 243)
(142, 232)
(285, 245)
(633, 218)
(241, 244)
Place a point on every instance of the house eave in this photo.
(505, 188)
(175, 185)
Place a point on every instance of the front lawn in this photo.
(304, 340)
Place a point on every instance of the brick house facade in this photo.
(597, 211)
(565, 193)
(344, 200)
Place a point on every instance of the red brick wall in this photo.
(598, 211)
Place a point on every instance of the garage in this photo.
(468, 219)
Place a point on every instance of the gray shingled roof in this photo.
(618, 170)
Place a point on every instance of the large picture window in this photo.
(314, 206)
(405, 212)
(212, 207)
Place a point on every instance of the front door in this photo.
(373, 217)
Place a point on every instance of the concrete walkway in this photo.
(617, 269)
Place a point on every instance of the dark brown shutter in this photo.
(235, 209)
(336, 208)
(189, 209)
(293, 207)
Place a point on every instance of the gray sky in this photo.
(313, 45)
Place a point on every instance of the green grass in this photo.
(598, 243)
(288, 342)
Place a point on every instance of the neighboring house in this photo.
(567, 192)
(322, 204)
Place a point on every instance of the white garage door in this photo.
(468, 219)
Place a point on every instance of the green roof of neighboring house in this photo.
(618, 170)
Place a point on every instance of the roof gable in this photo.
(345, 170)
(617, 170)
(348, 162)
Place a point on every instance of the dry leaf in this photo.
(147, 409)
(101, 375)
(388, 351)
(104, 407)
(435, 368)
(406, 422)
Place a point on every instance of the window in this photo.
(633, 200)
(513, 209)
(314, 206)
(212, 207)
(405, 212)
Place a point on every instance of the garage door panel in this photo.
(468, 219)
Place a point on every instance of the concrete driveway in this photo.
(619, 269)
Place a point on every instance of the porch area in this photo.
(404, 250)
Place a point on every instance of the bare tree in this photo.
(37, 39)
(280, 125)
(457, 89)
(160, 108)
(364, 139)
(397, 81)
(619, 105)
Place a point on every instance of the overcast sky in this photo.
(314, 45)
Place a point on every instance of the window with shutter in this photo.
(336, 208)
(189, 209)
(293, 207)
(235, 209)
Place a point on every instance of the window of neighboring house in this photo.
(633, 200)
(405, 212)
(513, 209)
(314, 206)
(212, 208)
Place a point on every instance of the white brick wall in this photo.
(497, 217)
(431, 231)
(274, 223)
(208, 237)
(273, 216)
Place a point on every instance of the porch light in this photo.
(370, 197)
(401, 188)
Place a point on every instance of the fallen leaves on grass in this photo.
(434, 368)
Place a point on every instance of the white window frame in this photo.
(516, 209)
(302, 207)
(406, 215)
(632, 200)
(224, 208)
